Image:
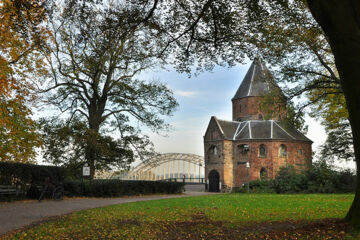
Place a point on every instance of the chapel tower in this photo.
(258, 96)
(255, 144)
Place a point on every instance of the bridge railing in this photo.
(186, 180)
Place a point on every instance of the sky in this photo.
(200, 97)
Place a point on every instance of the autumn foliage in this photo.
(22, 35)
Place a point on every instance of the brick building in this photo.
(248, 147)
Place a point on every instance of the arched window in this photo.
(282, 151)
(213, 150)
(263, 174)
(262, 151)
(261, 117)
(300, 152)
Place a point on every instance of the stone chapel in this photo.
(248, 147)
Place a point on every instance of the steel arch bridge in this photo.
(168, 166)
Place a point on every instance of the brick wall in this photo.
(272, 162)
(248, 108)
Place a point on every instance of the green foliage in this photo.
(339, 143)
(273, 106)
(320, 178)
(66, 144)
(19, 136)
(260, 186)
(287, 181)
(23, 175)
(331, 110)
(116, 188)
(294, 118)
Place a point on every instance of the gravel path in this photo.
(20, 214)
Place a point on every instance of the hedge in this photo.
(320, 178)
(23, 175)
(116, 188)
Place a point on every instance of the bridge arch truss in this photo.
(169, 165)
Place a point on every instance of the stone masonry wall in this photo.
(228, 164)
(214, 161)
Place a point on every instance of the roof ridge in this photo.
(257, 81)
(227, 120)
(241, 130)
(303, 134)
(250, 136)
(219, 126)
(237, 129)
(285, 131)
(252, 79)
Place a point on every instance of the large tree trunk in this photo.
(90, 155)
(96, 110)
(340, 20)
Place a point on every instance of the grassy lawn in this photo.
(228, 216)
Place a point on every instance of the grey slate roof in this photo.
(258, 81)
(228, 127)
(259, 130)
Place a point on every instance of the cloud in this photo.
(188, 94)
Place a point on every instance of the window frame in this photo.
(213, 150)
(265, 151)
(300, 152)
(263, 176)
(284, 153)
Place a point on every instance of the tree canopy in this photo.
(22, 36)
(95, 60)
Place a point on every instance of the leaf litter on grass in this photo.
(228, 216)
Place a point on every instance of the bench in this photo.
(8, 190)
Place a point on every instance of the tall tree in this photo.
(340, 20)
(22, 35)
(96, 58)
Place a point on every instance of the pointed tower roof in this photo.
(258, 81)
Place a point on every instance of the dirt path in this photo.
(20, 214)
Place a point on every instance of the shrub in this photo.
(20, 174)
(262, 186)
(26, 176)
(320, 178)
(287, 181)
(115, 188)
